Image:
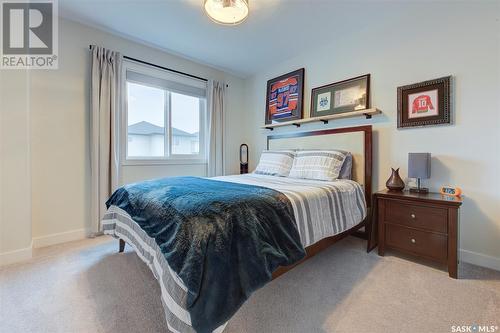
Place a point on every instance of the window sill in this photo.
(171, 161)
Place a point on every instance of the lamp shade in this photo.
(227, 12)
(419, 165)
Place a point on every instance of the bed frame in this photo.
(357, 140)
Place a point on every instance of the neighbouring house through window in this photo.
(165, 116)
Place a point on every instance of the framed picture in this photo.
(424, 103)
(341, 97)
(284, 97)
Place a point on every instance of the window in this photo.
(165, 116)
(145, 121)
(185, 117)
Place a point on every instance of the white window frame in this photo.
(168, 157)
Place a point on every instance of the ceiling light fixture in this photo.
(227, 12)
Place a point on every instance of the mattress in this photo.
(321, 209)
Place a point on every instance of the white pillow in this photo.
(317, 164)
(275, 162)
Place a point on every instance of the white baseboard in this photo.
(15, 256)
(480, 259)
(59, 238)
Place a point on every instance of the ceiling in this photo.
(275, 29)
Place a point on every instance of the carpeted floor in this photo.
(87, 286)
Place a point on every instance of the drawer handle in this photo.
(413, 240)
(413, 216)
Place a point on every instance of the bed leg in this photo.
(121, 246)
(371, 228)
(369, 242)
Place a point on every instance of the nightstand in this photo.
(423, 225)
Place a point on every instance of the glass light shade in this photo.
(244, 154)
(228, 12)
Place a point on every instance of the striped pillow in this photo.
(275, 162)
(317, 164)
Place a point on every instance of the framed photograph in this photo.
(424, 103)
(284, 97)
(341, 97)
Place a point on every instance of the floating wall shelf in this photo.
(368, 113)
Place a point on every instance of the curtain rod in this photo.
(161, 67)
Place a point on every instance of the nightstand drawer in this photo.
(421, 217)
(427, 244)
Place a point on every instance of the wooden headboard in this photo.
(357, 140)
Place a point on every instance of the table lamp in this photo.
(419, 167)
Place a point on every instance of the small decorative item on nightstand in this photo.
(243, 158)
(419, 166)
(395, 183)
(452, 191)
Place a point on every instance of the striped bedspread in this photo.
(119, 224)
(321, 209)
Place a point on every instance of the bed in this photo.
(323, 212)
(314, 201)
